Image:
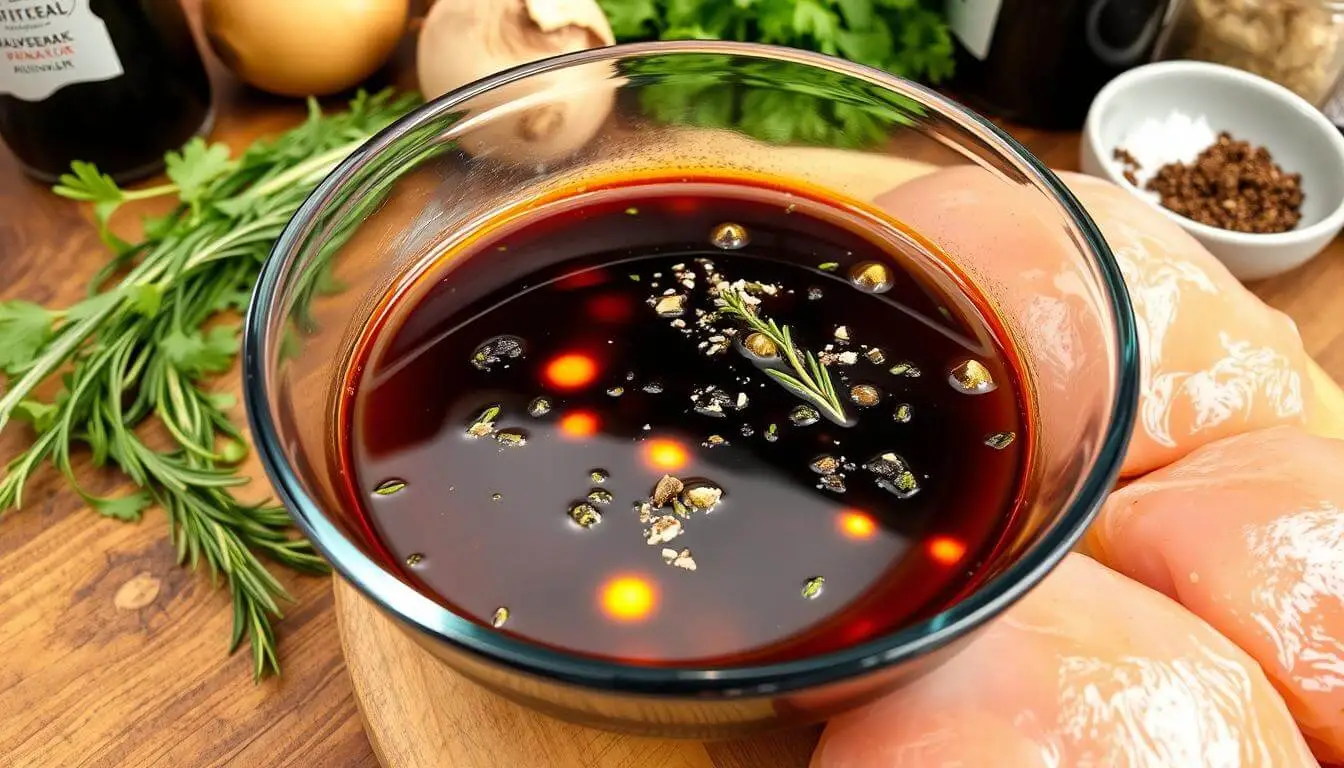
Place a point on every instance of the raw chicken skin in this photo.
(1089, 670)
(1215, 361)
(1248, 533)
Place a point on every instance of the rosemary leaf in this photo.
(145, 348)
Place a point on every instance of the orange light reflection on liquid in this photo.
(579, 424)
(628, 598)
(857, 525)
(946, 549)
(571, 371)
(665, 454)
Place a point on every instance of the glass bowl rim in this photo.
(431, 619)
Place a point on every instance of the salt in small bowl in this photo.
(1251, 108)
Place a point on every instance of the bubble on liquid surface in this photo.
(585, 515)
(812, 587)
(893, 475)
(760, 345)
(865, 395)
(616, 391)
(803, 415)
(825, 465)
(903, 413)
(703, 496)
(711, 401)
(972, 378)
(871, 276)
(497, 350)
(599, 476)
(832, 483)
(670, 306)
(539, 407)
(511, 438)
(729, 236)
(905, 368)
(654, 388)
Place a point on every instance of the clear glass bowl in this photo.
(396, 205)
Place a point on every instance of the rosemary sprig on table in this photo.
(813, 381)
(140, 352)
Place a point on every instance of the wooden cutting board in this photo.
(420, 714)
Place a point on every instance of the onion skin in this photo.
(304, 47)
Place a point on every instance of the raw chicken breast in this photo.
(1215, 360)
(1248, 533)
(1089, 670)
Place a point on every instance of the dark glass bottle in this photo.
(1040, 62)
(112, 82)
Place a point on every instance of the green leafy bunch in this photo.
(159, 322)
(909, 38)
(777, 102)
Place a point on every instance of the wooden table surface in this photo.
(114, 656)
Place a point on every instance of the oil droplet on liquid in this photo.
(972, 378)
(729, 236)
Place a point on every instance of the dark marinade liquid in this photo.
(790, 561)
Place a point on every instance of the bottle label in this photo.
(972, 21)
(48, 44)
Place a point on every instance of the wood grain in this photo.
(113, 656)
(420, 715)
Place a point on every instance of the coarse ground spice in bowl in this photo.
(1247, 167)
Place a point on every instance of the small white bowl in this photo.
(1253, 109)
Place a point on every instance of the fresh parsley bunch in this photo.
(909, 38)
(159, 322)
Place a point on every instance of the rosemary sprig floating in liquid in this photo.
(812, 382)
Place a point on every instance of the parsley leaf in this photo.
(24, 328)
(40, 415)
(195, 167)
(909, 38)
(125, 508)
(84, 182)
(196, 353)
(632, 18)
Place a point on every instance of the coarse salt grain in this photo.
(1176, 138)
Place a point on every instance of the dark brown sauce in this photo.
(481, 524)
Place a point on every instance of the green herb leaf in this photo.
(907, 37)
(40, 415)
(139, 347)
(631, 18)
(199, 353)
(126, 508)
(24, 328)
(146, 299)
(196, 166)
(233, 451)
(85, 182)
